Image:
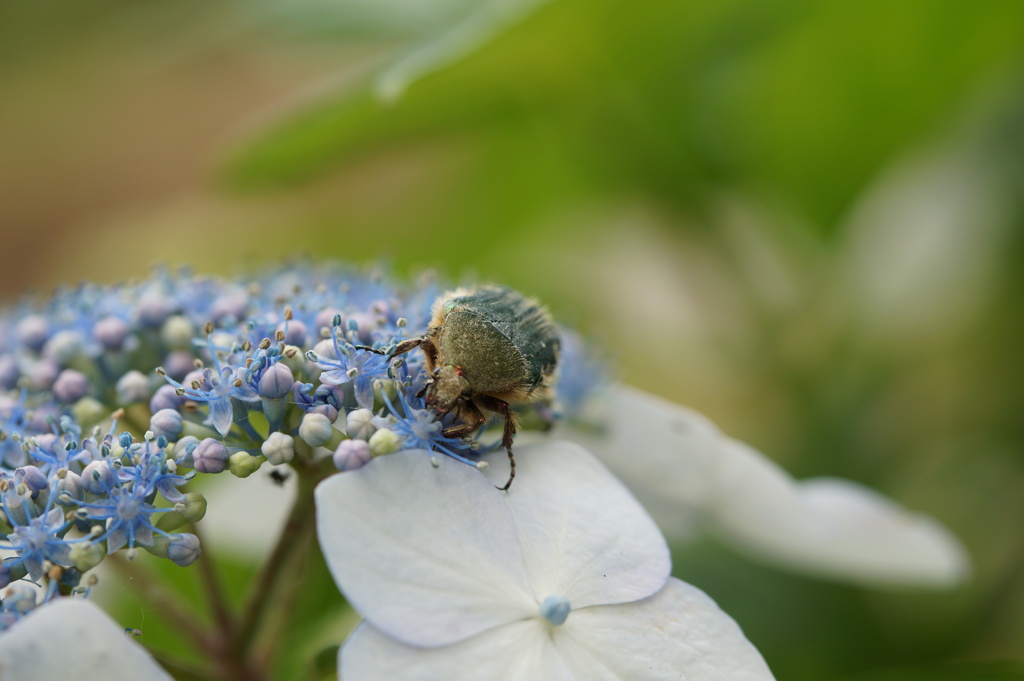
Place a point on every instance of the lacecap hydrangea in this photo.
(112, 398)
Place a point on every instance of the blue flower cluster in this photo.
(113, 398)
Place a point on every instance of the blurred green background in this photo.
(803, 219)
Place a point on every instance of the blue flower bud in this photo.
(125, 439)
(183, 549)
(167, 423)
(210, 456)
(70, 386)
(183, 449)
(9, 372)
(71, 486)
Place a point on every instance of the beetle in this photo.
(486, 349)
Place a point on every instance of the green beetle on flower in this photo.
(486, 349)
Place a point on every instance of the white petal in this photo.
(830, 527)
(429, 555)
(73, 638)
(665, 453)
(584, 537)
(520, 651)
(679, 633)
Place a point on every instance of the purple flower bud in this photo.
(328, 410)
(295, 333)
(99, 478)
(302, 393)
(9, 372)
(32, 332)
(166, 422)
(183, 549)
(366, 324)
(165, 397)
(34, 479)
(352, 454)
(276, 381)
(196, 375)
(231, 303)
(42, 374)
(325, 318)
(42, 417)
(178, 364)
(111, 332)
(210, 456)
(153, 309)
(70, 386)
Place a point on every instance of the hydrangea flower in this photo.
(73, 634)
(689, 475)
(565, 577)
(289, 368)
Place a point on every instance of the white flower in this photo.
(685, 471)
(564, 577)
(71, 638)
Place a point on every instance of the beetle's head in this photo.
(447, 386)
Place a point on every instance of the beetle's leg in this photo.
(423, 391)
(407, 345)
(501, 407)
(467, 417)
(379, 351)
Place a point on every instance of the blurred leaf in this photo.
(674, 99)
(952, 672)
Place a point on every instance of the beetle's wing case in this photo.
(506, 343)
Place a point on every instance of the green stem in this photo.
(285, 599)
(300, 517)
(182, 671)
(214, 594)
